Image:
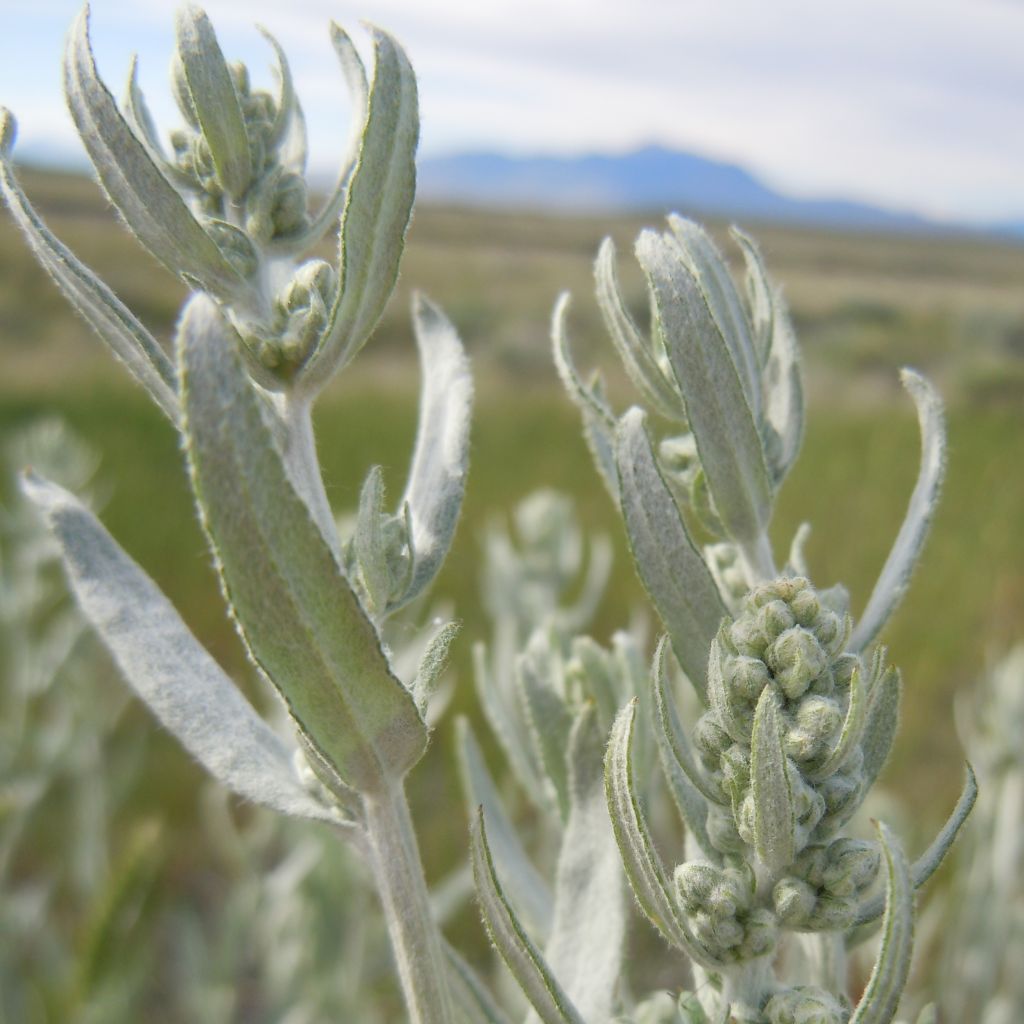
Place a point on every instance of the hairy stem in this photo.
(415, 938)
(758, 561)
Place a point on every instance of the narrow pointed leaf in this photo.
(524, 960)
(899, 566)
(883, 716)
(433, 664)
(358, 89)
(774, 811)
(167, 667)
(145, 199)
(378, 205)
(644, 868)
(526, 887)
(927, 864)
(586, 945)
(300, 620)
(368, 539)
(670, 566)
(548, 717)
(706, 264)
(881, 998)
(286, 99)
(717, 408)
(598, 419)
(130, 342)
(759, 293)
(797, 561)
(634, 350)
(437, 477)
(852, 731)
(214, 100)
(686, 783)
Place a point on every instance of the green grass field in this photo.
(864, 306)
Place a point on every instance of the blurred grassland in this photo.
(864, 306)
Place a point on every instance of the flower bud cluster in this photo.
(275, 202)
(787, 636)
(827, 880)
(719, 903)
(805, 1004)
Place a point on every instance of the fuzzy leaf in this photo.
(672, 570)
(167, 667)
(524, 960)
(130, 342)
(537, 676)
(895, 577)
(586, 945)
(527, 888)
(378, 205)
(885, 986)
(437, 477)
(633, 348)
(774, 812)
(643, 866)
(146, 200)
(852, 731)
(369, 543)
(706, 264)
(214, 100)
(717, 407)
(286, 100)
(686, 782)
(598, 419)
(883, 717)
(355, 78)
(471, 997)
(433, 664)
(927, 864)
(295, 610)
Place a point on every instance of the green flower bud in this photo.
(710, 740)
(819, 721)
(746, 678)
(794, 901)
(805, 1004)
(853, 866)
(805, 607)
(796, 658)
(722, 831)
(774, 618)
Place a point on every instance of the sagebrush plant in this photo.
(798, 706)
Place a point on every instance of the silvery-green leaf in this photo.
(98, 305)
(711, 272)
(437, 476)
(586, 945)
(527, 889)
(686, 782)
(368, 540)
(720, 416)
(472, 999)
(524, 960)
(633, 349)
(140, 120)
(797, 561)
(883, 715)
(358, 88)
(598, 419)
(895, 577)
(538, 676)
(146, 200)
(672, 570)
(286, 99)
(885, 986)
(643, 866)
(295, 610)
(852, 731)
(168, 668)
(214, 99)
(378, 204)
(759, 293)
(927, 864)
(433, 664)
(596, 671)
(774, 811)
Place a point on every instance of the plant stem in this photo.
(415, 938)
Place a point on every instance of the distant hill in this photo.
(652, 178)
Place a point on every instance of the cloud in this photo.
(903, 102)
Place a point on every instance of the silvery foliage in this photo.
(60, 753)
(549, 697)
(798, 710)
(225, 208)
(978, 927)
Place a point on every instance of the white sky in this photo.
(914, 104)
